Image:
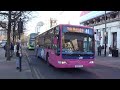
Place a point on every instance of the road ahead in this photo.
(41, 70)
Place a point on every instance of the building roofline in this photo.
(95, 16)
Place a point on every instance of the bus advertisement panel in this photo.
(67, 46)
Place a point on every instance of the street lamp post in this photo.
(105, 35)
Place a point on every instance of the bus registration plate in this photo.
(78, 66)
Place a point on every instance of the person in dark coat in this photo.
(18, 51)
(11, 49)
(5, 48)
(110, 50)
(99, 50)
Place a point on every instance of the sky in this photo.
(62, 17)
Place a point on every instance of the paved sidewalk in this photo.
(8, 68)
(108, 61)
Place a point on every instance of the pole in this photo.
(105, 34)
(20, 63)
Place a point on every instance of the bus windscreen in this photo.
(77, 42)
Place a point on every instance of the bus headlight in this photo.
(59, 62)
(91, 62)
(62, 62)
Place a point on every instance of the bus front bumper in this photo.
(75, 64)
(31, 48)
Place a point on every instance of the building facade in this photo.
(97, 21)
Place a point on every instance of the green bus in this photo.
(31, 41)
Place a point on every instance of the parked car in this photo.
(2, 44)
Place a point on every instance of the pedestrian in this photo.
(110, 51)
(5, 48)
(36, 50)
(11, 49)
(18, 50)
(99, 50)
(15, 49)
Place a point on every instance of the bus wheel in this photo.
(47, 60)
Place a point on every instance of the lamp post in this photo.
(105, 35)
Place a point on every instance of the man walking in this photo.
(99, 50)
(11, 49)
(5, 48)
(18, 50)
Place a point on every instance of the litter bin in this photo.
(114, 53)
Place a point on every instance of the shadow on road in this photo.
(71, 70)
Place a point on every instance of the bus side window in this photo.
(55, 43)
(56, 38)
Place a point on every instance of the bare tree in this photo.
(12, 17)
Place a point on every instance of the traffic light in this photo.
(20, 26)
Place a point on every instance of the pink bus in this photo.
(67, 46)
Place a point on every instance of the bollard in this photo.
(20, 63)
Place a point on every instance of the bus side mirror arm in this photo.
(56, 52)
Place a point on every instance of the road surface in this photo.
(41, 70)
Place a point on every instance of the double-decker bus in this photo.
(67, 46)
(31, 41)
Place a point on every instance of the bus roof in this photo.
(67, 25)
(71, 25)
(75, 25)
